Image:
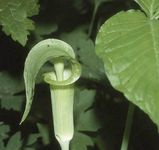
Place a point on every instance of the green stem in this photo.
(93, 18)
(62, 106)
(65, 145)
(127, 130)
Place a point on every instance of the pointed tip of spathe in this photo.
(22, 120)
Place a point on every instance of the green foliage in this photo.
(15, 142)
(13, 102)
(130, 55)
(150, 7)
(42, 30)
(10, 84)
(32, 138)
(84, 48)
(99, 110)
(9, 87)
(14, 18)
(86, 117)
(4, 129)
(81, 141)
(44, 132)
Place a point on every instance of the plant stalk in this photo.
(62, 107)
(128, 126)
(93, 18)
(65, 145)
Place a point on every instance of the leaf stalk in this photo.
(127, 130)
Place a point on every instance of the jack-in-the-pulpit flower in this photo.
(61, 81)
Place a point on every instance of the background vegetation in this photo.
(100, 111)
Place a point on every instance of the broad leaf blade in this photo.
(128, 43)
(150, 7)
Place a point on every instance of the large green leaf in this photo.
(128, 43)
(13, 18)
(150, 7)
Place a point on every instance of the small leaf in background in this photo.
(14, 18)
(2, 145)
(44, 29)
(84, 100)
(15, 142)
(86, 118)
(81, 141)
(44, 133)
(88, 121)
(100, 143)
(4, 129)
(12, 102)
(80, 6)
(32, 138)
(128, 44)
(29, 148)
(8, 88)
(10, 84)
(91, 65)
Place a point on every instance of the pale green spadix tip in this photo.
(47, 50)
